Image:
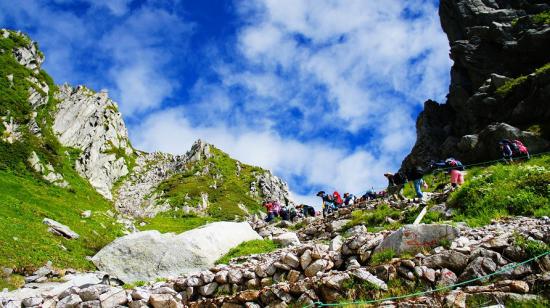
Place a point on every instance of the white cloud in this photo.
(140, 62)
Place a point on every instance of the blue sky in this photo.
(323, 93)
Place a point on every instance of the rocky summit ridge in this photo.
(499, 82)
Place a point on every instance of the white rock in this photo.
(60, 229)
(150, 254)
(287, 239)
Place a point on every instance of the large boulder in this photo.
(151, 254)
(414, 237)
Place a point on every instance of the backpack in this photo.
(512, 144)
(454, 164)
(337, 198)
(521, 148)
(399, 178)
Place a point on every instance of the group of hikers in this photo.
(287, 212)
(510, 150)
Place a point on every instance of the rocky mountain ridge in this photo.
(499, 82)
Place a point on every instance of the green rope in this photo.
(502, 270)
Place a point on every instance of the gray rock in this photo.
(163, 301)
(291, 260)
(90, 304)
(338, 225)
(479, 267)
(70, 301)
(336, 244)
(32, 301)
(366, 276)
(453, 260)
(113, 298)
(446, 278)
(414, 237)
(149, 254)
(315, 267)
(208, 289)
(60, 229)
(287, 239)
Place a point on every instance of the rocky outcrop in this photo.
(47, 171)
(137, 195)
(150, 254)
(271, 187)
(90, 122)
(498, 79)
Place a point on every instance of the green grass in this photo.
(374, 218)
(541, 18)
(531, 248)
(504, 190)
(248, 248)
(174, 222)
(509, 85)
(185, 188)
(382, 257)
(25, 243)
(11, 282)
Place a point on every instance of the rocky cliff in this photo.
(500, 82)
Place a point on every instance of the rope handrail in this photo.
(416, 294)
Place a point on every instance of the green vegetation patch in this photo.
(374, 218)
(532, 248)
(503, 190)
(218, 177)
(174, 221)
(382, 257)
(509, 85)
(248, 248)
(541, 18)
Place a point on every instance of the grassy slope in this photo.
(503, 190)
(25, 198)
(186, 188)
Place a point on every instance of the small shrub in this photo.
(531, 248)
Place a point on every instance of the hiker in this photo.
(306, 210)
(276, 208)
(328, 202)
(349, 199)
(415, 175)
(269, 209)
(506, 151)
(370, 195)
(337, 199)
(455, 168)
(284, 213)
(513, 148)
(396, 182)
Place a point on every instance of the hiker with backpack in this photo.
(415, 175)
(338, 201)
(512, 148)
(349, 199)
(455, 168)
(306, 210)
(269, 209)
(396, 182)
(328, 202)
